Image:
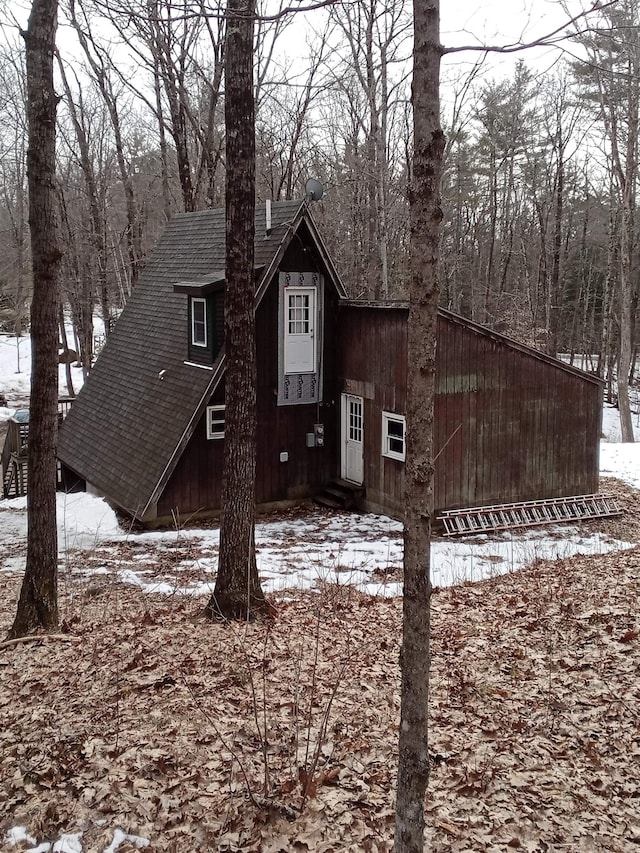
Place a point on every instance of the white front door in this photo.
(352, 467)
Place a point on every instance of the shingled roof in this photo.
(140, 404)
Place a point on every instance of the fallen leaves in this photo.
(281, 735)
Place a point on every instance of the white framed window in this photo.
(394, 436)
(215, 422)
(199, 322)
(299, 329)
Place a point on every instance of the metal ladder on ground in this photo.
(485, 519)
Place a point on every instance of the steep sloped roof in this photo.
(141, 402)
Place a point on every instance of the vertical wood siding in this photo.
(510, 425)
(373, 365)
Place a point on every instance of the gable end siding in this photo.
(195, 483)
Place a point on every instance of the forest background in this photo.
(539, 238)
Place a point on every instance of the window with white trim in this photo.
(215, 422)
(299, 330)
(394, 435)
(199, 322)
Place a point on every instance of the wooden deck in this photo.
(15, 450)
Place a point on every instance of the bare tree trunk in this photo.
(615, 70)
(164, 148)
(626, 302)
(38, 604)
(555, 289)
(65, 349)
(94, 265)
(79, 281)
(237, 593)
(426, 216)
(604, 355)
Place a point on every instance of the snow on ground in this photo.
(69, 843)
(15, 369)
(364, 550)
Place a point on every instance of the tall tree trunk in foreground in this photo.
(425, 218)
(38, 604)
(237, 593)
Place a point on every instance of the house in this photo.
(147, 430)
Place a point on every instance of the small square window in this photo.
(394, 436)
(215, 422)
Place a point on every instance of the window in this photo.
(299, 330)
(199, 322)
(299, 318)
(355, 419)
(215, 422)
(393, 436)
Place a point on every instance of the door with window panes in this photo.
(352, 463)
(300, 332)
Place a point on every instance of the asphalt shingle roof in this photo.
(124, 432)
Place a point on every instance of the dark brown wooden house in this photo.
(147, 430)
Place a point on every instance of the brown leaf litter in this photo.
(281, 735)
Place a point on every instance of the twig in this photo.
(39, 638)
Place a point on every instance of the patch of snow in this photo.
(84, 521)
(365, 550)
(475, 558)
(621, 461)
(119, 837)
(15, 369)
(13, 522)
(68, 844)
(18, 834)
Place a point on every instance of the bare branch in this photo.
(551, 39)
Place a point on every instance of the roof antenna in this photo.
(313, 190)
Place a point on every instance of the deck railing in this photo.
(14, 452)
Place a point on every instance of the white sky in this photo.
(462, 22)
(496, 22)
(501, 23)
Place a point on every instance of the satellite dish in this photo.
(313, 189)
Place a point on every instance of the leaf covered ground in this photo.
(281, 735)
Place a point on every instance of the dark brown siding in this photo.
(195, 482)
(373, 345)
(510, 424)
